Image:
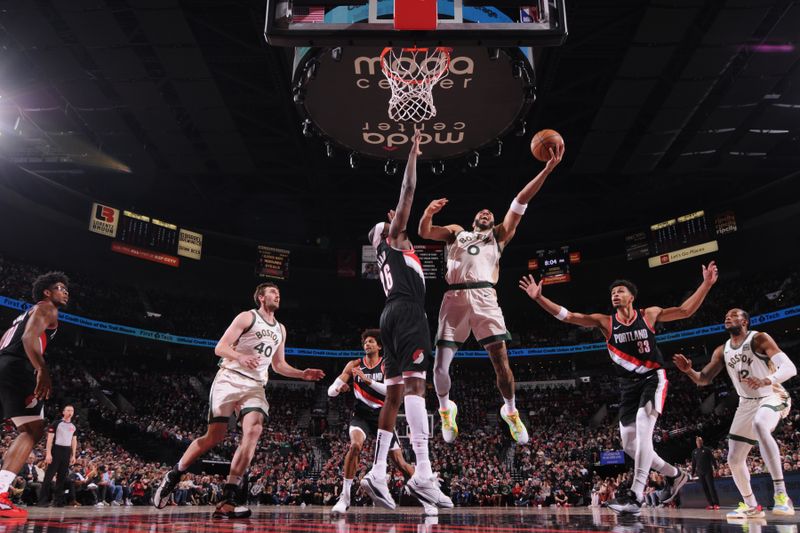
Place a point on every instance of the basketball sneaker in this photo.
(8, 509)
(429, 491)
(374, 484)
(626, 504)
(341, 506)
(168, 484)
(783, 505)
(229, 507)
(449, 426)
(745, 512)
(518, 431)
(674, 485)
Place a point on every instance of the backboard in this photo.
(385, 23)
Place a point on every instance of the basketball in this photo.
(542, 141)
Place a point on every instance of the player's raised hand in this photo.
(529, 285)
(313, 374)
(710, 273)
(555, 157)
(390, 215)
(358, 373)
(415, 140)
(436, 206)
(682, 363)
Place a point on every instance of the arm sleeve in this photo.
(333, 390)
(379, 386)
(785, 370)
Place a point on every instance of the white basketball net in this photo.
(412, 74)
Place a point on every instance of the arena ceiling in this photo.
(181, 110)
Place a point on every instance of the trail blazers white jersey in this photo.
(262, 339)
(743, 362)
(473, 256)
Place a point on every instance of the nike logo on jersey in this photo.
(616, 328)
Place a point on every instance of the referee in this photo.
(62, 443)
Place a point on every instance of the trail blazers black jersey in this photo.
(401, 274)
(633, 347)
(368, 400)
(11, 341)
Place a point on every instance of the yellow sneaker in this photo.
(783, 505)
(518, 431)
(449, 426)
(745, 512)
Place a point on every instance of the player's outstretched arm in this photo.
(224, 348)
(403, 210)
(340, 384)
(283, 368)
(707, 374)
(692, 303)
(763, 343)
(506, 230)
(437, 233)
(534, 291)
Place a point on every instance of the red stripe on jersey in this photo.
(664, 394)
(43, 341)
(364, 360)
(367, 395)
(412, 254)
(644, 318)
(631, 359)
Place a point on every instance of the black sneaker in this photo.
(674, 486)
(230, 506)
(168, 484)
(626, 504)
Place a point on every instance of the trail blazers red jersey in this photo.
(367, 398)
(633, 347)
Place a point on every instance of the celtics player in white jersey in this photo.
(470, 303)
(253, 342)
(757, 367)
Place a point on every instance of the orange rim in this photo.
(430, 78)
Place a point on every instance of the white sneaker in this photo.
(99, 504)
(115, 503)
(518, 431)
(676, 484)
(449, 425)
(428, 491)
(341, 506)
(376, 488)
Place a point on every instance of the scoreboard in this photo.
(679, 238)
(152, 233)
(554, 264)
(272, 262)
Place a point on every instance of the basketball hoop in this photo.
(412, 75)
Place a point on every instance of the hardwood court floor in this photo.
(369, 520)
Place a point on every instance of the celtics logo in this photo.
(473, 250)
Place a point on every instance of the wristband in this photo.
(562, 314)
(517, 207)
(333, 390)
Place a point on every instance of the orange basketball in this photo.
(543, 141)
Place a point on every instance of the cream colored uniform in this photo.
(743, 362)
(470, 304)
(237, 388)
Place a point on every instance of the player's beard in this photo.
(734, 330)
(482, 227)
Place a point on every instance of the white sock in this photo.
(663, 467)
(348, 484)
(382, 444)
(511, 405)
(639, 482)
(750, 500)
(6, 479)
(417, 417)
(182, 467)
(444, 402)
(780, 486)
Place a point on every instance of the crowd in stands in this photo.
(165, 403)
